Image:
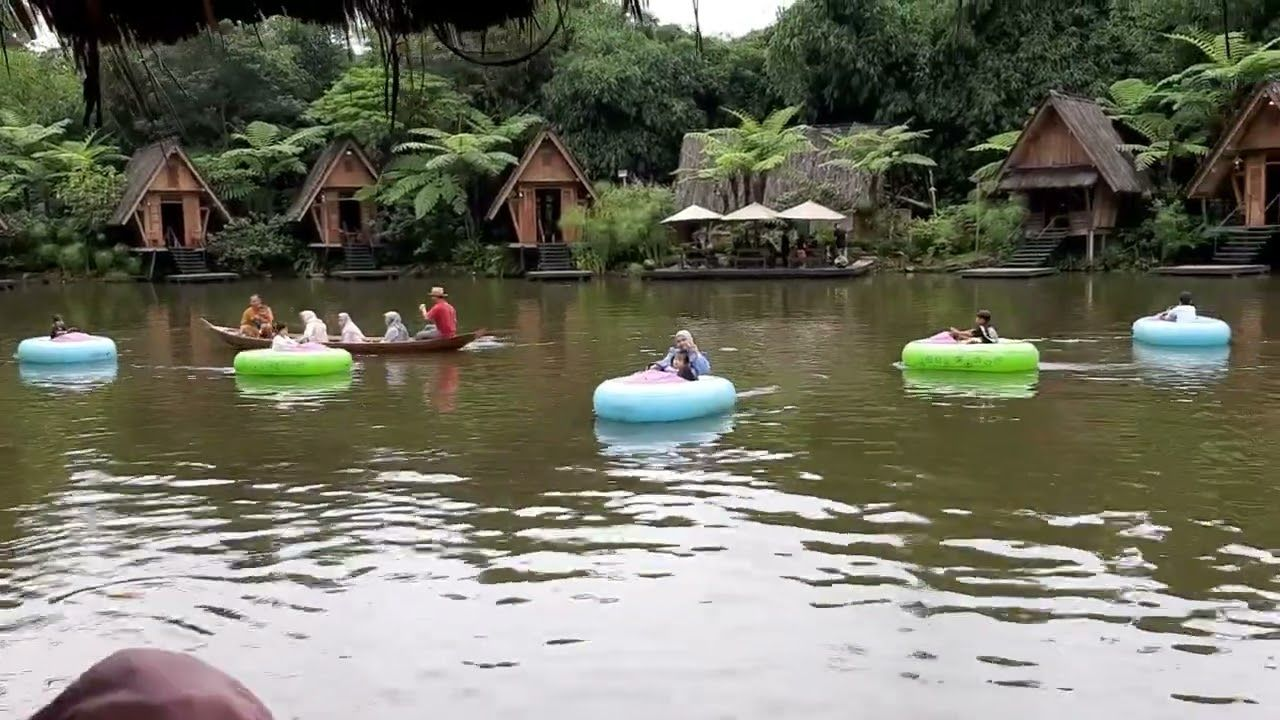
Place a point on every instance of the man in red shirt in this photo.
(441, 314)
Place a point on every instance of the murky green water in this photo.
(456, 535)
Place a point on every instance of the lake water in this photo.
(457, 536)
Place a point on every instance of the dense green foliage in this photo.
(947, 83)
(255, 244)
(622, 227)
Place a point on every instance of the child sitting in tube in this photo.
(983, 331)
(681, 365)
(59, 328)
(281, 340)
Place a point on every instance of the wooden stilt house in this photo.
(166, 204)
(327, 206)
(1076, 180)
(333, 218)
(546, 182)
(1242, 171)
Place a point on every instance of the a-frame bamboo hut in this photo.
(166, 203)
(1077, 181)
(1243, 168)
(547, 182)
(327, 207)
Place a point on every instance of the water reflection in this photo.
(957, 384)
(293, 389)
(1182, 367)
(75, 377)
(647, 439)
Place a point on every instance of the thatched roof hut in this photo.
(850, 189)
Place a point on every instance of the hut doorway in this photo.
(549, 210)
(350, 216)
(1271, 192)
(173, 223)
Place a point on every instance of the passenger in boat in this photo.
(281, 339)
(1184, 311)
(59, 328)
(684, 341)
(257, 319)
(154, 684)
(350, 331)
(396, 331)
(441, 317)
(313, 328)
(983, 331)
(682, 367)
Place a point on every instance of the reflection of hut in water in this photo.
(1069, 167)
(545, 184)
(804, 176)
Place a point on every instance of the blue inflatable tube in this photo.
(653, 396)
(72, 348)
(1201, 332)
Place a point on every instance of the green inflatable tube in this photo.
(1006, 356)
(307, 361)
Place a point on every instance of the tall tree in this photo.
(743, 157)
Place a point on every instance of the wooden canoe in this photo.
(232, 337)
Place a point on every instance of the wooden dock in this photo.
(1007, 273)
(857, 269)
(1228, 271)
(557, 275)
(379, 274)
(205, 277)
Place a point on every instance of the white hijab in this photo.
(350, 332)
(314, 329)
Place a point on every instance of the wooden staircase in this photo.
(554, 257)
(1237, 245)
(358, 256)
(190, 261)
(1036, 250)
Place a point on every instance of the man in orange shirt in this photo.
(441, 315)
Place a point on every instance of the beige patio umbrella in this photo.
(811, 212)
(755, 212)
(693, 213)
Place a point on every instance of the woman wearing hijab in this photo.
(396, 331)
(313, 328)
(350, 332)
(149, 684)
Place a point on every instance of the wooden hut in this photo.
(166, 204)
(1069, 166)
(327, 207)
(545, 183)
(4, 227)
(845, 189)
(1243, 168)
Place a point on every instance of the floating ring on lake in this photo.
(305, 361)
(1005, 356)
(654, 396)
(71, 348)
(1201, 332)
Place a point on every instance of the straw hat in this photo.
(438, 292)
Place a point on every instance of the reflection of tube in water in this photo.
(951, 383)
(1182, 366)
(76, 376)
(293, 388)
(656, 438)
